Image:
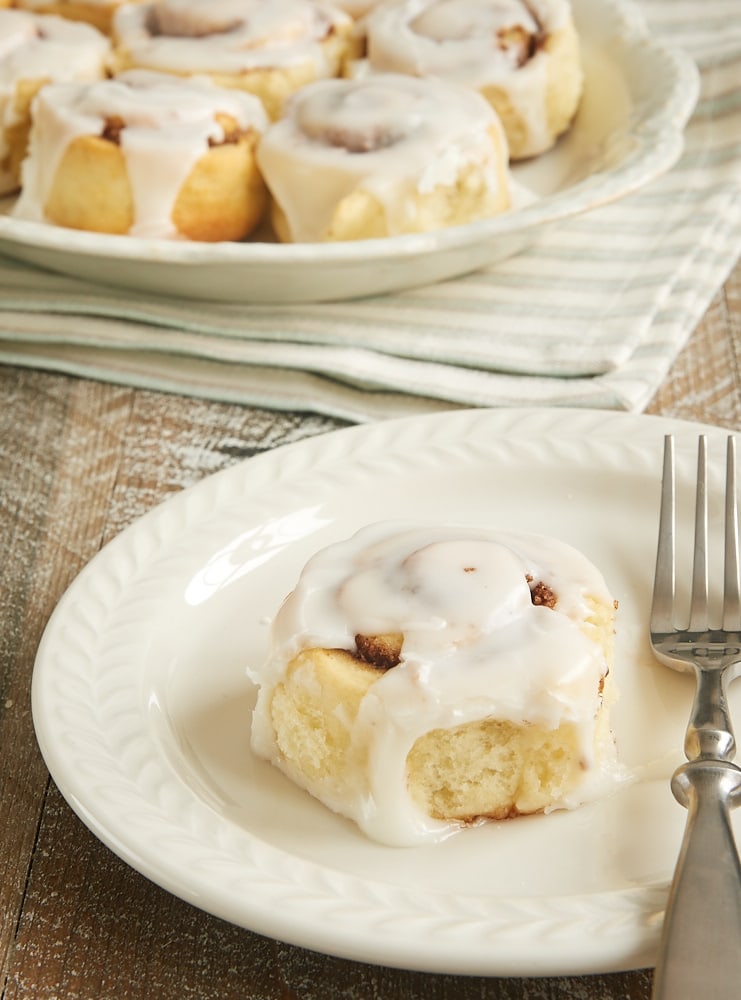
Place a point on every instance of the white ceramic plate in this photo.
(142, 705)
(638, 96)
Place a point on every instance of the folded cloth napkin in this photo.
(593, 315)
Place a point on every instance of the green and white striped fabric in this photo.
(593, 315)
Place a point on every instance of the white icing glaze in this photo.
(460, 40)
(42, 47)
(386, 134)
(168, 126)
(226, 36)
(475, 646)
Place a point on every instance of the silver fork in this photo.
(700, 951)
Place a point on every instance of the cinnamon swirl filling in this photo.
(522, 55)
(359, 119)
(383, 155)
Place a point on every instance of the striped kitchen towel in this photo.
(593, 315)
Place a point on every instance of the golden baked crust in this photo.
(91, 188)
(223, 197)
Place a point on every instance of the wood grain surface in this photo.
(79, 461)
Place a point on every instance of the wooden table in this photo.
(78, 462)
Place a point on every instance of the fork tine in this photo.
(699, 601)
(731, 589)
(664, 578)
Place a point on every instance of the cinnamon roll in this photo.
(99, 13)
(270, 48)
(145, 155)
(375, 157)
(423, 678)
(522, 55)
(35, 50)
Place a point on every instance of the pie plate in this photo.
(638, 96)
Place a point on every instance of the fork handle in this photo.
(700, 952)
(709, 733)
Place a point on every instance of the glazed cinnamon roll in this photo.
(99, 13)
(145, 155)
(522, 55)
(270, 48)
(422, 678)
(359, 159)
(35, 50)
